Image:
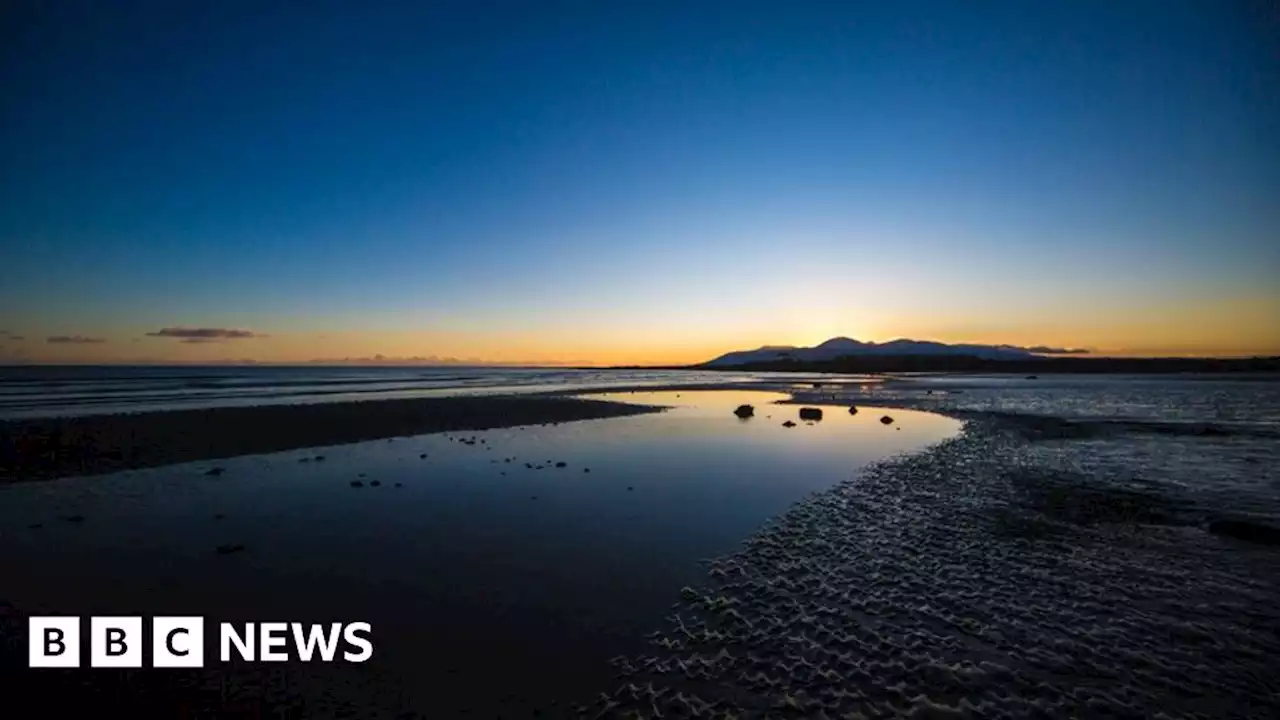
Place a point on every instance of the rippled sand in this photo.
(1007, 573)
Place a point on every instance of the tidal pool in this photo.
(494, 580)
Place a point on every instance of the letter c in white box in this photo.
(177, 642)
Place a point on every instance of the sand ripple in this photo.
(942, 585)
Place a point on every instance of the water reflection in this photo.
(475, 570)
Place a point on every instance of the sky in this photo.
(635, 183)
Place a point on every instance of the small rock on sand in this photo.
(423, 456)
(561, 464)
(356, 483)
(215, 471)
(375, 483)
(886, 420)
(810, 413)
(744, 411)
(853, 409)
(788, 424)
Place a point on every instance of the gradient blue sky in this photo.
(637, 182)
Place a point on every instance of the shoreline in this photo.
(52, 448)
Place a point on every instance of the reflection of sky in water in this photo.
(460, 565)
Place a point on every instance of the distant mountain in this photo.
(839, 347)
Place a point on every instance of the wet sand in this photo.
(1036, 566)
(92, 445)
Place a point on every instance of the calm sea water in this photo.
(34, 391)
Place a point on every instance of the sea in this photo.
(31, 391)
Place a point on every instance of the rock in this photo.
(886, 420)
(219, 516)
(810, 413)
(586, 470)
(228, 549)
(788, 424)
(74, 518)
(215, 471)
(561, 464)
(356, 483)
(423, 456)
(319, 458)
(1032, 377)
(744, 411)
(1246, 530)
(853, 409)
(375, 483)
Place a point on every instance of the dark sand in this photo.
(62, 447)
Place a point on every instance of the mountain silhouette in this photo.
(839, 347)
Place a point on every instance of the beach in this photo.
(997, 548)
(1034, 566)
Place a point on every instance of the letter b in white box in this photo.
(177, 642)
(53, 642)
(115, 642)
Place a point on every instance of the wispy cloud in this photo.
(1044, 350)
(73, 340)
(204, 334)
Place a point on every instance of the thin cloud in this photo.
(73, 340)
(205, 334)
(1043, 350)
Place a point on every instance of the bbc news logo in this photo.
(178, 642)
